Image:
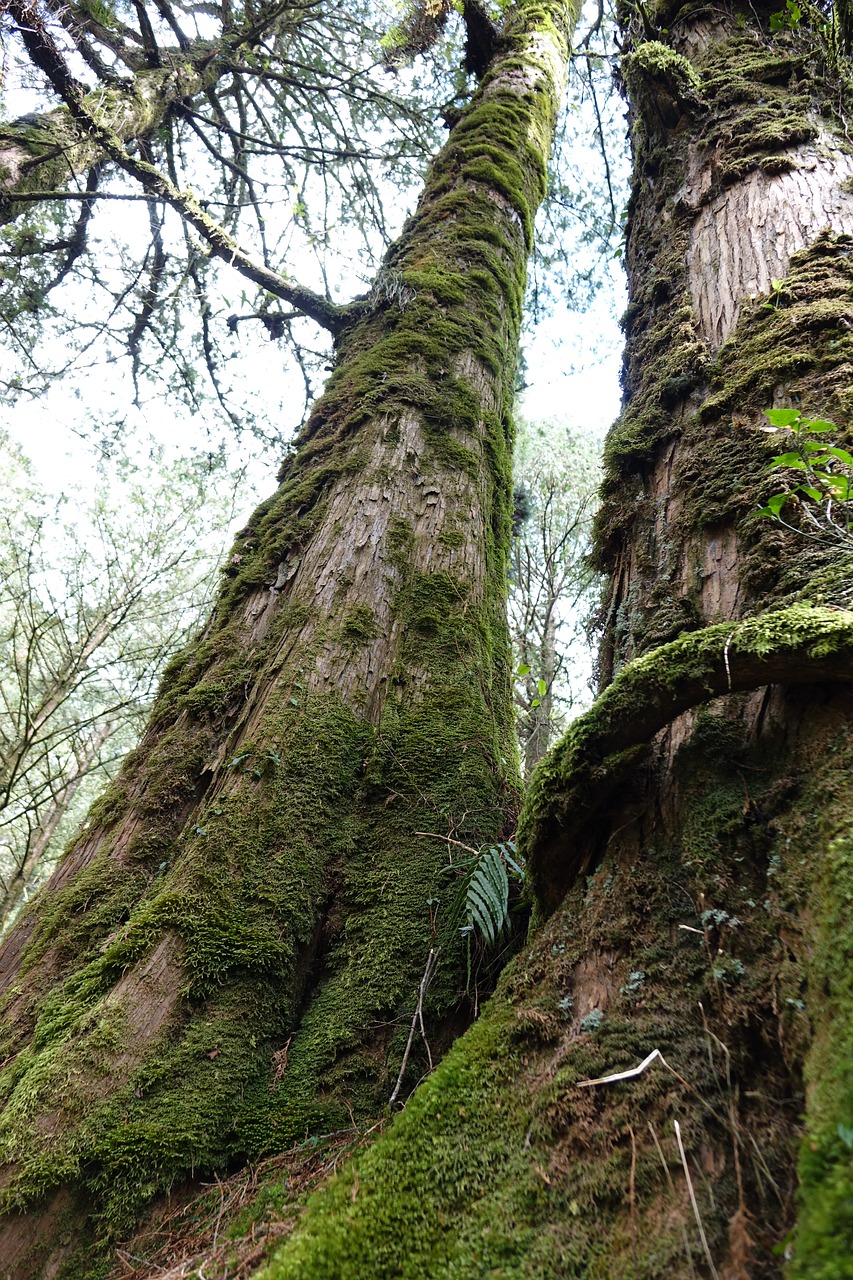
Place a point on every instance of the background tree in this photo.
(92, 604)
(552, 588)
(229, 955)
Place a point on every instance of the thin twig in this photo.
(632, 1194)
(659, 1149)
(726, 660)
(417, 1020)
(219, 1215)
(693, 1202)
(633, 1072)
(433, 835)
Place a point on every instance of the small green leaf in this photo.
(541, 687)
(845, 1133)
(815, 425)
(782, 417)
(523, 670)
(792, 460)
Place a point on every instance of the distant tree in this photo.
(93, 601)
(552, 586)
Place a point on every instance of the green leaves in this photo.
(787, 19)
(487, 897)
(824, 492)
(481, 901)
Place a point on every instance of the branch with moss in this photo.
(92, 118)
(558, 834)
(42, 152)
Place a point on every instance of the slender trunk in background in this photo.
(253, 890)
(697, 890)
(47, 817)
(537, 721)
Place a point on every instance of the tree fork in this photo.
(714, 925)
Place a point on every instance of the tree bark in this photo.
(255, 878)
(631, 1102)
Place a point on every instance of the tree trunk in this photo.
(631, 1102)
(254, 889)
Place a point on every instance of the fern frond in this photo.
(481, 901)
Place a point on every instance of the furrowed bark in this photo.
(253, 884)
(712, 921)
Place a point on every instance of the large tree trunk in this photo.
(704, 913)
(254, 889)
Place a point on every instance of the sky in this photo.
(585, 396)
(572, 356)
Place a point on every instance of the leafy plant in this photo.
(823, 494)
(777, 289)
(787, 19)
(481, 902)
(540, 684)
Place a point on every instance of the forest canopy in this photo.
(302, 133)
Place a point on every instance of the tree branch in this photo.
(802, 644)
(91, 116)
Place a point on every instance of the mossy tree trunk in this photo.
(229, 956)
(695, 891)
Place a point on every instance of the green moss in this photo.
(265, 855)
(359, 625)
(452, 538)
(500, 1165)
(585, 768)
(761, 101)
(823, 1240)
